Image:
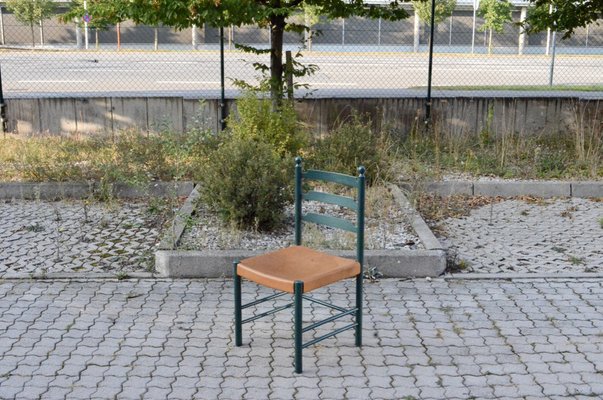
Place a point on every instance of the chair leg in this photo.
(359, 309)
(237, 306)
(298, 288)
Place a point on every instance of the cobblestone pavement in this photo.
(518, 236)
(162, 339)
(73, 236)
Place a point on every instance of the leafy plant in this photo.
(247, 183)
(355, 143)
(256, 121)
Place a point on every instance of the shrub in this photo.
(247, 183)
(352, 144)
(256, 120)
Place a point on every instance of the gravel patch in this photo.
(386, 227)
(537, 236)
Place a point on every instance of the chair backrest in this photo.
(356, 205)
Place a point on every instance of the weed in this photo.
(121, 275)
(576, 260)
(36, 227)
(601, 222)
(372, 274)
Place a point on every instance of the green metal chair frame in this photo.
(298, 293)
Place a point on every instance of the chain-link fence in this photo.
(355, 56)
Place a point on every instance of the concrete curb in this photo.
(81, 190)
(519, 276)
(172, 237)
(217, 263)
(544, 189)
(78, 276)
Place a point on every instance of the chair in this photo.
(298, 270)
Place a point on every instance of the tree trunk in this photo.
(118, 31)
(156, 39)
(490, 42)
(96, 38)
(33, 36)
(277, 24)
(41, 33)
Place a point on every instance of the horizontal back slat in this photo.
(329, 198)
(334, 177)
(333, 222)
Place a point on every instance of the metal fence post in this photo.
(222, 96)
(2, 106)
(430, 69)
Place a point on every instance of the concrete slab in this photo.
(44, 190)
(153, 189)
(57, 116)
(93, 115)
(587, 189)
(450, 188)
(23, 116)
(165, 114)
(525, 188)
(80, 190)
(129, 113)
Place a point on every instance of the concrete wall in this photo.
(523, 115)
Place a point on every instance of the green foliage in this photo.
(496, 14)
(256, 121)
(129, 156)
(443, 10)
(351, 144)
(31, 12)
(247, 183)
(102, 13)
(565, 16)
(508, 155)
(275, 15)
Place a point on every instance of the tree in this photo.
(443, 10)
(496, 14)
(102, 14)
(30, 12)
(563, 16)
(272, 14)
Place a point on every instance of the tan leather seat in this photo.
(280, 269)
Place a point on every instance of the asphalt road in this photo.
(26, 73)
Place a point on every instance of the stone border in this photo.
(82, 190)
(544, 189)
(217, 263)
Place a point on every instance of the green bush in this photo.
(247, 183)
(256, 120)
(352, 144)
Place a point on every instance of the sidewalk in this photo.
(172, 339)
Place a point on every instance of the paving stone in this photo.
(54, 237)
(569, 245)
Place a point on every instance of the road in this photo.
(27, 73)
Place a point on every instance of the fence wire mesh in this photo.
(354, 56)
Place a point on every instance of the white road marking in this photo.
(329, 83)
(51, 81)
(188, 82)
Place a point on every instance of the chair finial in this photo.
(298, 160)
(361, 171)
